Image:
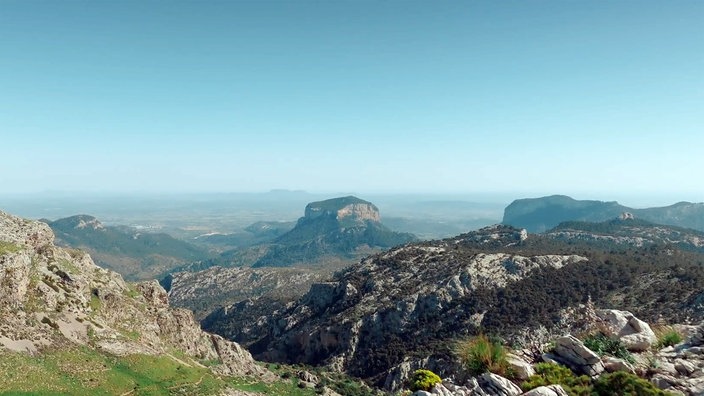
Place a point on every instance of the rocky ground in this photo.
(677, 369)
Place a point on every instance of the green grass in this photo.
(9, 247)
(82, 371)
(667, 336)
(480, 354)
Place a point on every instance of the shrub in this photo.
(481, 354)
(622, 383)
(553, 374)
(424, 380)
(603, 345)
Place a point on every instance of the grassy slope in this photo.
(83, 371)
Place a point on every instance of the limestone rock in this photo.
(497, 385)
(612, 364)
(551, 390)
(441, 390)
(520, 367)
(571, 352)
(624, 326)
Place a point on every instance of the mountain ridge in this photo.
(544, 213)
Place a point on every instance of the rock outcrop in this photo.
(346, 209)
(634, 333)
(571, 352)
(54, 296)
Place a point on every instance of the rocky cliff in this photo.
(204, 291)
(542, 214)
(392, 307)
(334, 227)
(52, 296)
(346, 209)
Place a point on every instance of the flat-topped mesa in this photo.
(344, 208)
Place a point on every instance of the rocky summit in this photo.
(345, 226)
(55, 298)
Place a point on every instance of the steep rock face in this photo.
(542, 214)
(349, 208)
(203, 291)
(53, 296)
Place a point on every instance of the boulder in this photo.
(470, 389)
(635, 334)
(572, 353)
(497, 385)
(520, 367)
(684, 367)
(612, 364)
(550, 390)
(441, 390)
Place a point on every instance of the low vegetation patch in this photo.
(481, 354)
(667, 336)
(622, 383)
(9, 247)
(553, 374)
(603, 345)
(424, 380)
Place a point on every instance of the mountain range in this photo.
(135, 254)
(542, 214)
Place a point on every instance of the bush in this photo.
(424, 380)
(481, 354)
(603, 345)
(553, 374)
(622, 383)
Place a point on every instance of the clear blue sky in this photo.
(588, 98)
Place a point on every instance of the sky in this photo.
(593, 99)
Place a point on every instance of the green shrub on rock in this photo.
(424, 380)
(553, 374)
(603, 345)
(622, 383)
(481, 354)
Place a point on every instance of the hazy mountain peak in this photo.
(544, 213)
(79, 222)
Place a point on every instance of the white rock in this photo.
(612, 364)
(497, 385)
(551, 390)
(578, 357)
(633, 332)
(520, 367)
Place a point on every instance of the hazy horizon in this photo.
(592, 100)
